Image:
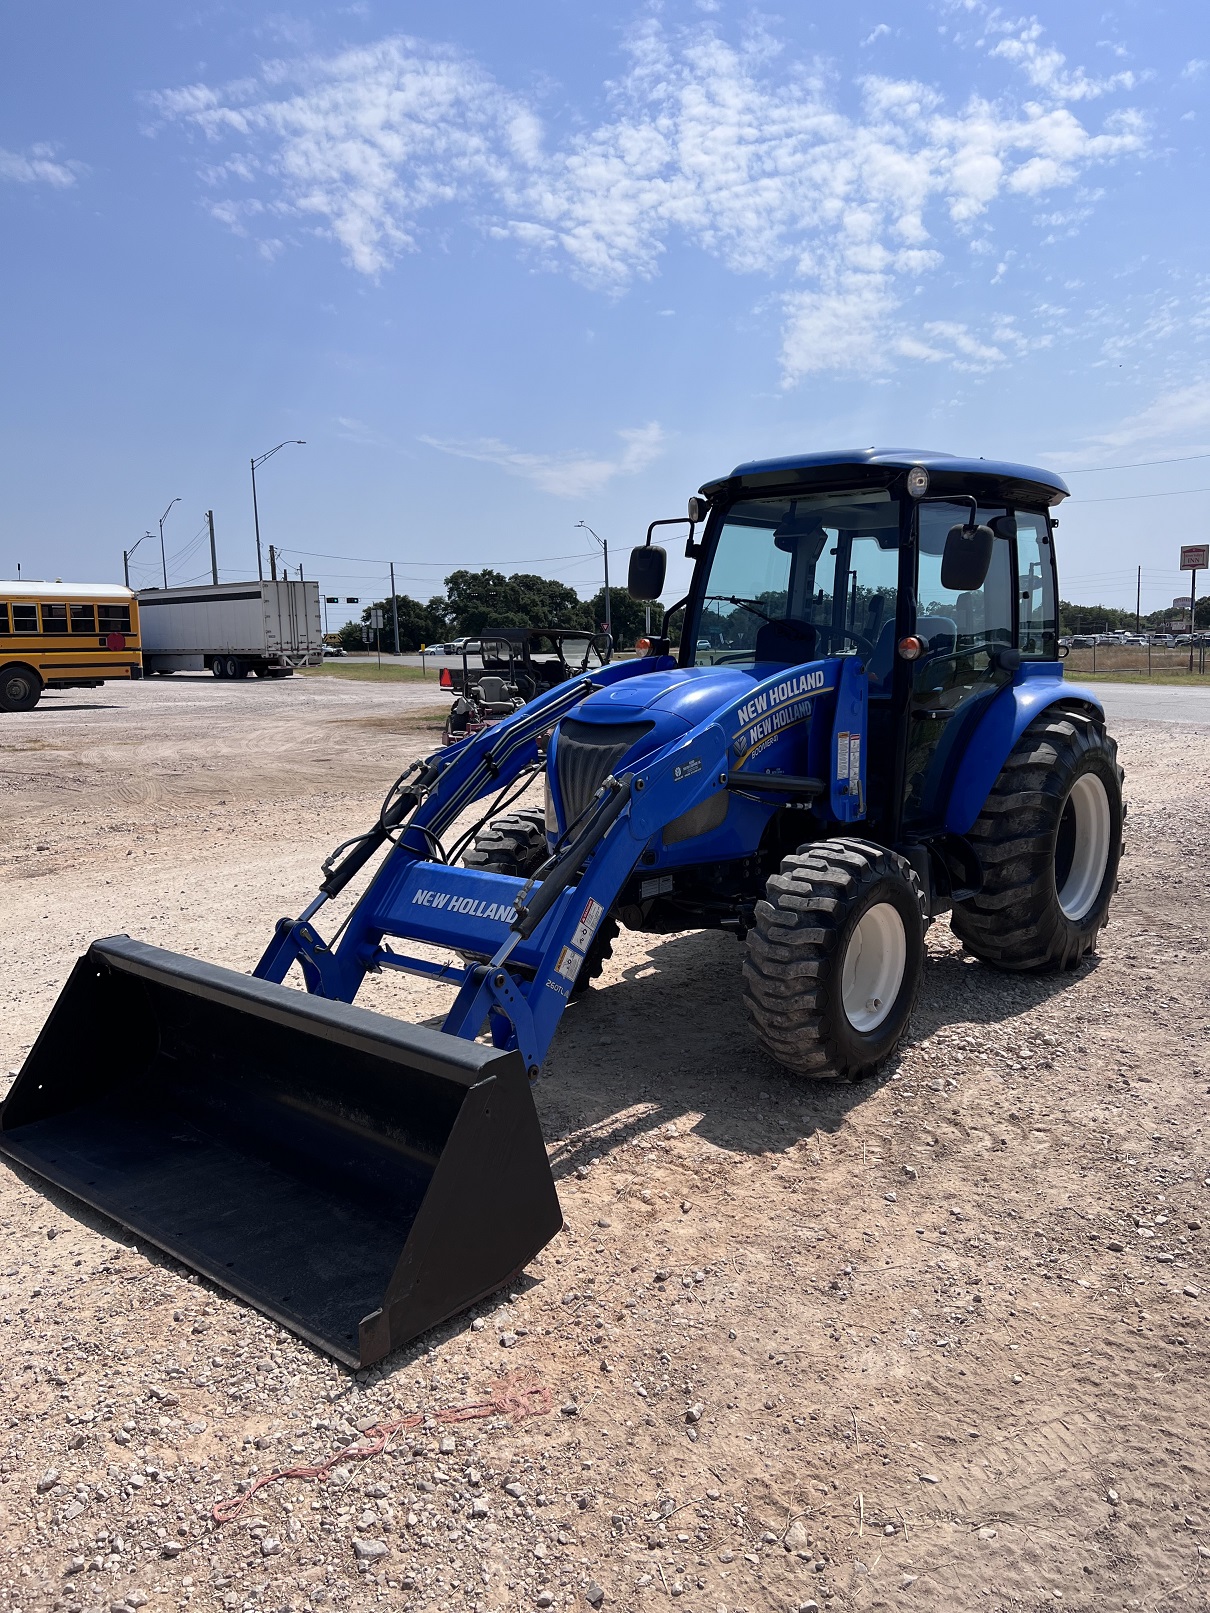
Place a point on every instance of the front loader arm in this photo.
(522, 943)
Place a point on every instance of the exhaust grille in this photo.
(586, 754)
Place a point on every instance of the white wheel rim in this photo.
(875, 962)
(1089, 801)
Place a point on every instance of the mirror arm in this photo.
(675, 520)
(955, 498)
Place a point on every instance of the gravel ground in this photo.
(932, 1340)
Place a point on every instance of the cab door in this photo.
(966, 633)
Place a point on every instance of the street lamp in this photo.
(126, 554)
(260, 460)
(605, 549)
(163, 561)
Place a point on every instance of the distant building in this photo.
(1183, 603)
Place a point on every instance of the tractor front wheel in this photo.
(1049, 839)
(835, 957)
(516, 845)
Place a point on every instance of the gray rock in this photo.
(507, 1340)
(594, 1595)
(270, 1547)
(693, 1414)
(370, 1551)
(48, 1480)
(796, 1537)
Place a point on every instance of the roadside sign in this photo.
(375, 617)
(1195, 556)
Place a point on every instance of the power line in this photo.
(360, 560)
(1118, 498)
(1139, 464)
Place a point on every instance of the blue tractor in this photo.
(856, 720)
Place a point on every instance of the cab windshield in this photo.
(796, 577)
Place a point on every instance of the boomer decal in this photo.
(773, 710)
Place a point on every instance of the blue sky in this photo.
(506, 268)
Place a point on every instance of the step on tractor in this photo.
(856, 720)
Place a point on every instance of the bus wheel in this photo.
(20, 688)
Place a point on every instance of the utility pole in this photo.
(213, 555)
(272, 563)
(394, 608)
(163, 561)
(1138, 597)
(605, 551)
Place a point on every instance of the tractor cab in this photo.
(936, 573)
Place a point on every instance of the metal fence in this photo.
(1150, 660)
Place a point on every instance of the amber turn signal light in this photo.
(642, 646)
(911, 648)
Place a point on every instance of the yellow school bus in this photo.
(59, 635)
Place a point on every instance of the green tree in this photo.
(480, 600)
(628, 615)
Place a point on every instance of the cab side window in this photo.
(1037, 626)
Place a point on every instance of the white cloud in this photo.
(1178, 421)
(1194, 68)
(1043, 65)
(732, 147)
(38, 167)
(565, 475)
(878, 33)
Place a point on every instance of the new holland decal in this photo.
(498, 912)
(772, 711)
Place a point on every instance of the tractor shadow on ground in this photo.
(670, 1040)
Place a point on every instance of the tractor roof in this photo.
(993, 479)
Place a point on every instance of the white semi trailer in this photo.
(232, 628)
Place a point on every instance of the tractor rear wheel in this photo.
(516, 845)
(835, 957)
(1050, 840)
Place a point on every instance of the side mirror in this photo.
(966, 558)
(648, 565)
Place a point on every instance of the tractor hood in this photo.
(675, 701)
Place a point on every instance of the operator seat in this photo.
(496, 697)
(788, 641)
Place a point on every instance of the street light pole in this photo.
(126, 554)
(163, 561)
(256, 463)
(605, 551)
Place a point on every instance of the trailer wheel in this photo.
(20, 688)
(219, 667)
(835, 957)
(1050, 840)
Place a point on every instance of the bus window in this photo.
(3, 617)
(54, 618)
(83, 619)
(114, 618)
(25, 618)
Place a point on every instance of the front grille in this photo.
(586, 754)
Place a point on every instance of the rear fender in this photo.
(1036, 687)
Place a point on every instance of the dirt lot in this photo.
(944, 1329)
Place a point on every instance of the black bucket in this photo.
(358, 1179)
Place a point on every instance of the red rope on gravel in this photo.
(516, 1396)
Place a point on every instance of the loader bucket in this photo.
(358, 1179)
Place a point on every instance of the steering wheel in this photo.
(862, 643)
